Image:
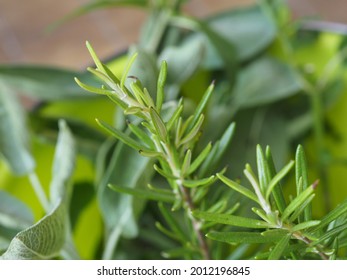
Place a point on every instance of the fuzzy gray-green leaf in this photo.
(14, 213)
(63, 164)
(13, 133)
(43, 240)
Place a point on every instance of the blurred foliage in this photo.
(281, 81)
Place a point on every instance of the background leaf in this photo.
(13, 133)
(248, 29)
(44, 83)
(63, 164)
(277, 81)
(14, 213)
(43, 240)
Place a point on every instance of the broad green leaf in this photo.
(225, 48)
(280, 247)
(243, 237)
(177, 57)
(144, 193)
(277, 81)
(63, 165)
(43, 240)
(248, 29)
(88, 139)
(14, 213)
(13, 133)
(232, 220)
(45, 83)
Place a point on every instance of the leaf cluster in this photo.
(160, 182)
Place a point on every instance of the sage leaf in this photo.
(13, 133)
(249, 30)
(176, 57)
(63, 164)
(278, 81)
(43, 240)
(45, 83)
(120, 211)
(14, 213)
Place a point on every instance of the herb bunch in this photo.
(167, 137)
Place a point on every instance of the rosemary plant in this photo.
(171, 141)
(287, 224)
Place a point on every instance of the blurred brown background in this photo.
(23, 38)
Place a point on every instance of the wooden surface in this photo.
(23, 36)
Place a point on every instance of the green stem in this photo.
(186, 197)
(38, 189)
